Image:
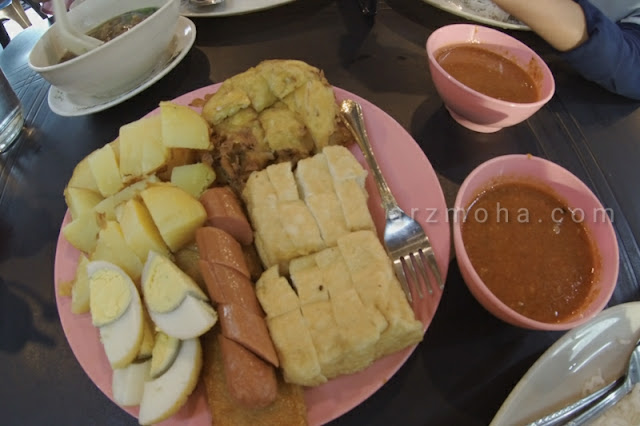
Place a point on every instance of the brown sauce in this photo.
(541, 264)
(116, 26)
(488, 72)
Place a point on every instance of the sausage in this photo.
(228, 286)
(218, 247)
(251, 382)
(247, 329)
(225, 212)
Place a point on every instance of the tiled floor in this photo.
(13, 28)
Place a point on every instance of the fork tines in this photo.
(417, 263)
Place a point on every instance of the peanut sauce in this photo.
(488, 72)
(530, 251)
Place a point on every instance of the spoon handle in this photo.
(609, 401)
(564, 414)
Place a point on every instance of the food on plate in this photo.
(164, 353)
(105, 170)
(111, 246)
(247, 350)
(487, 9)
(80, 287)
(127, 384)
(343, 309)
(183, 127)
(488, 72)
(295, 214)
(280, 110)
(288, 408)
(162, 397)
(139, 230)
(224, 211)
(193, 178)
(175, 302)
(541, 261)
(107, 207)
(116, 310)
(82, 232)
(142, 151)
(80, 200)
(175, 213)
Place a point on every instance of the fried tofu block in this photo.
(309, 285)
(288, 408)
(325, 336)
(300, 263)
(283, 181)
(404, 329)
(327, 212)
(353, 200)
(259, 191)
(343, 165)
(313, 176)
(256, 87)
(359, 334)
(285, 76)
(298, 357)
(284, 131)
(275, 294)
(301, 227)
(224, 103)
(334, 270)
(369, 267)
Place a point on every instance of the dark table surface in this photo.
(469, 361)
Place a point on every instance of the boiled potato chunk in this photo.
(82, 232)
(182, 127)
(139, 231)
(80, 289)
(81, 200)
(106, 172)
(112, 247)
(193, 178)
(141, 149)
(108, 206)
(82, 176)
(175, 212)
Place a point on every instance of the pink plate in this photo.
(415, 186)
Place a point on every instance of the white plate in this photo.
(600, 347)
(229, 7)
(185, 35)
(457, 8)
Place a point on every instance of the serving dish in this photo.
(599, 348)
(229, 7)
(185, 35)
(458, 8)
(417, 189)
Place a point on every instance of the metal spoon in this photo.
(201, 3)
(605, 397)
(73, 40)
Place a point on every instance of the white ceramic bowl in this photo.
(116, 66)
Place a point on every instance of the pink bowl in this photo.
(475, 110)
(577, 196)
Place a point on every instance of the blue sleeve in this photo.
(611, 55)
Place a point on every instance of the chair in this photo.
(11, 9)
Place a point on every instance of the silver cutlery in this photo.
(407, 244)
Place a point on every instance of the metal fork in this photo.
(405, 240)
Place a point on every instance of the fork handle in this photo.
(354, 119)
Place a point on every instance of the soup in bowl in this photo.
(533, 243)
(487, 79)
(137, 36)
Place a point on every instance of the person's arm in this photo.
(560, 22)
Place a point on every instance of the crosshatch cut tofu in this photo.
(275, 293)
(296, 352)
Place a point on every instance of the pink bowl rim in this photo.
(517, 318)
(541, 62)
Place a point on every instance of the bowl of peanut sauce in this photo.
(487, 79)
(533, 243)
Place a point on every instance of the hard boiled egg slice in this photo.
(122, 333)
(191, 319)
(128, 383)
(176, 304)
(163, 397)
(165, 351)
